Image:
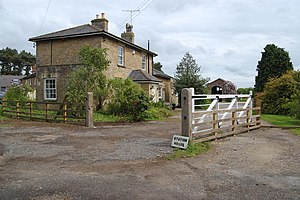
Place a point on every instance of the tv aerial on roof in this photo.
(131, 11)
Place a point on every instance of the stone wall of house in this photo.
(63, 51)
(60, 74)
(57, 58)
(166, 87)
(132, 59)
(151, 90)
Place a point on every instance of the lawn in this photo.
(284, 121)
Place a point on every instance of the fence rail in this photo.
(44, 111)
(220, 119)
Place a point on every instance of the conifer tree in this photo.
(188, 75)
(274, 62)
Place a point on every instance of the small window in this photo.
(50, 89)
(121, 56)
(3, 89)
(159, 92)
(144, 62)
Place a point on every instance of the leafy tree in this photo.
(26, 60)
(127, 99)
(274, 62)
(14, 63)
(158, 66)
(244, 90)
(188, 75)
(278, 94)
(89, 77)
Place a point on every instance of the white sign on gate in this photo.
(180, 141)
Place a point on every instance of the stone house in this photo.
(167, 89)
(57, 56)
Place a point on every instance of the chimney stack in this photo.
(128, 35)
(101, 24)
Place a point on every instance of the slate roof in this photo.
(160, 74)
(6, 80)
(84, 31)
(141, 76)
(70, 32)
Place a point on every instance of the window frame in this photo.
(46, 90)
(121, 55)
(144, 62)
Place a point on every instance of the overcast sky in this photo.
(226, 37)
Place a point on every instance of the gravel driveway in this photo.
(126, 161)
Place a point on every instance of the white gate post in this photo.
(89, 110)
(186, 112)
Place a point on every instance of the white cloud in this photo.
(226, 37)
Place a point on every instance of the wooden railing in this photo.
(234, 124)
(43, 111)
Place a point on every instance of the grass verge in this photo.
(152, 114)
(192, 150)
(284, 121)
(102, 117)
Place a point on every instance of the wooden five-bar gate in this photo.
(207, 117)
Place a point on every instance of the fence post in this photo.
(17, 109)
(248, 118)
(215, 123)
(30, 109)
(186, 112)
(233, 123)
(46, 111)
(251, 103)
(89, 110)
(65, 112)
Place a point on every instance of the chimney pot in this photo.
(128, 35)
(100, 23)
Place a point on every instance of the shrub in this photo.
(278, 94)
(294, 104)
(127, 99)
(154, 113)
(17, 93)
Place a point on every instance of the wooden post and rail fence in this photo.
(208, 117)
(50, 111)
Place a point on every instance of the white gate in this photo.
(206, 117)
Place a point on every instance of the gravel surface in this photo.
(126, 161)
